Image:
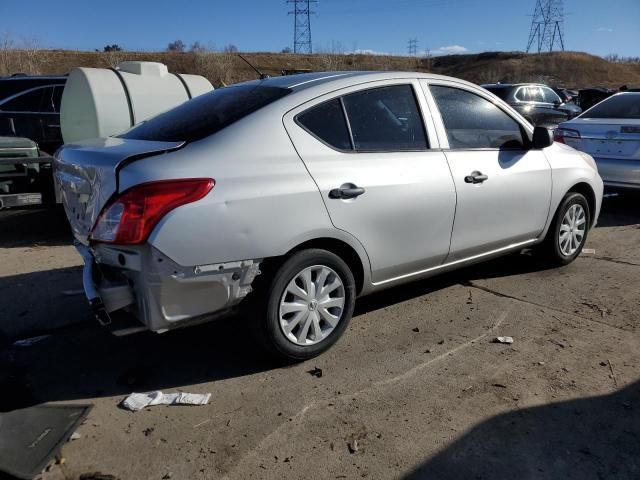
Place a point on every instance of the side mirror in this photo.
(557, 103)
(542, 137)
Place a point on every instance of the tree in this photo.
(285, 50)
(231, 48)
(177, 46)
(113, 48)
(197, 47)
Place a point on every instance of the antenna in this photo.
(302, 25)
(413, 47)
(547, 26)
(262, 75)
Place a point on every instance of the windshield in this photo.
(206, 114)
(618, 106)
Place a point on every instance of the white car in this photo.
(610, 132)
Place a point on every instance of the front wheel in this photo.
(568, 231)
(307, 305)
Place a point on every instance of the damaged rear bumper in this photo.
(159, 293)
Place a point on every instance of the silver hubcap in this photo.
(312, 305)
(572, 230)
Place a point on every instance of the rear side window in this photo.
(530, 94)
(206, 114)
(27, 102)
(550, 96)
(619, 106)
(473, 122)
(385, 119)
(326, 121)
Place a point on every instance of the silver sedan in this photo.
(291, 196)
(610, 132)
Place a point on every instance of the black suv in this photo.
(537, 103)
(30, 108)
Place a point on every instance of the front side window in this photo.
(385, 119)
(326, 121)
(550, 96)
(471, 121)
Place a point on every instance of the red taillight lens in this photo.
(561, 133)
(130, 218)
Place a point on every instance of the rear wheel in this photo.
(307, 305)
(568, 232)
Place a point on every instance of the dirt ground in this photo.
(415, 388)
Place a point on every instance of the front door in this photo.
(368, 151)
(503, 186)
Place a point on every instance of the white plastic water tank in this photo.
(99, 102)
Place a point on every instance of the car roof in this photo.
(509, 85)
(306, 81)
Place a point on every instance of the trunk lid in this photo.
(86, 174)
(606, 138)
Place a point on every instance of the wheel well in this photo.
(586, 190)
(343, 250)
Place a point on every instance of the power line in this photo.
(413, 47)
(547, 26)
(302, 25)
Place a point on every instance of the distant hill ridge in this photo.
(570, 69)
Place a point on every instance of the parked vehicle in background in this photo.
(538, 104)
(588, 97)
(610, 132)
(566, 95)
(29, 134)
(291, 196)
(30, 108)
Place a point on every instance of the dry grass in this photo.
(572, 69)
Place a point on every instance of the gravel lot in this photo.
(414, 389)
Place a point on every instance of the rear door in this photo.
(503, 187)
(373, 153)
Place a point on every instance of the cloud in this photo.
(605, 29)
(450, 50)
(367, 51)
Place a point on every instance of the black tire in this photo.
(551, 247)
(265, 308)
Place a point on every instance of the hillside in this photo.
(570, 69)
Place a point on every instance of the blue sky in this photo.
(263, 25)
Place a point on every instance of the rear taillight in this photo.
(130, 218)
(561, 133)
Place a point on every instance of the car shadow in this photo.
(587, 438)
(620, 209)
(31, 226)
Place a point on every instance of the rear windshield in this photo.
(500, 92)
(206, 114)
(619, 106)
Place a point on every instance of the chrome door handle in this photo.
(476, 177)
(346, 191)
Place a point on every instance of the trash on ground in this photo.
(315, 372)
(416, 329)
(70, 293)
(353, 446)
(75, 436)
(138, 401)
(589, 251)
(499, 385)
(27, 342)
(506, 340)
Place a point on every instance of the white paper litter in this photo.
(138, 401)
(588, 251)
(507, 340)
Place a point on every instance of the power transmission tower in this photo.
(547, 26)
(413, 47)
(302, 25)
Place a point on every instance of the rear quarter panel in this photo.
(264, 202)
